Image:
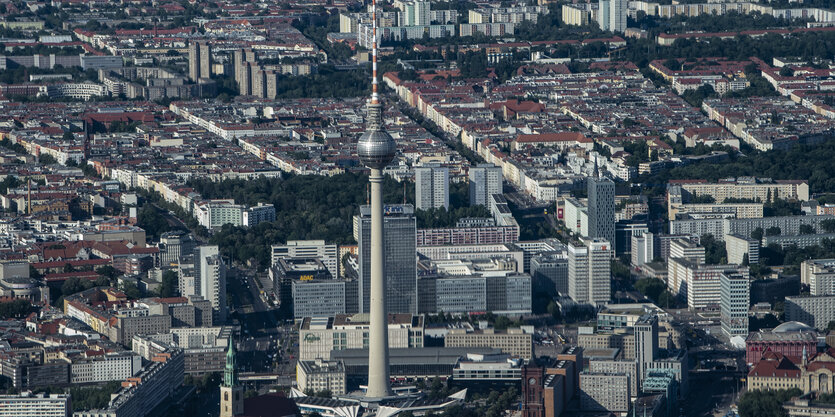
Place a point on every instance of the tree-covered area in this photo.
(315, 207)
(801, 162)
(317, 26)
(16, 147)
(92, 398)
(713, 23)
(86, 397)
(715, 253)
(793, 256)
(152, 221)
(326, 82)
(805, 45)
(766, 403)
(17, 308)
(656, 290)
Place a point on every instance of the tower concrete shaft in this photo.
(378, 339)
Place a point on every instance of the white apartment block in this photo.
(27, 404)
(576, 216)
(816, 311)
(735, 298)
(214, 214)
(819, 275)
(738, 247)
(589, 271)
(576, 14)
(431, 187)
(696, 283)
(320, 375)
(643, 249)
(212, 279)
(514, 342)
(687, 249)
(604, 391)
(110, 367)
(740, 210)
(485, 180)
(749, 188)
(327, 253)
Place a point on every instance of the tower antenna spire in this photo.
(375, 98)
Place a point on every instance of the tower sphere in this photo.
(376, 149)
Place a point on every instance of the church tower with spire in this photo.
(231, 394)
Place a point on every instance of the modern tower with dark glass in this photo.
(376, 149)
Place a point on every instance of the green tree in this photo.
(74, 285)
(651, 288)
(131, 290)
(828, 225)
(766, 403)
(772, 231)
(170, 284)
(757, 233)
(806, 229)
(150, 219)
(715, 252)
(108, 271)
(17, 308)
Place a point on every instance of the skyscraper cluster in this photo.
(253, 79)
(199, 61)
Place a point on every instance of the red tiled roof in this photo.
(553, 137)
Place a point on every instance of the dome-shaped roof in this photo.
(792, 326)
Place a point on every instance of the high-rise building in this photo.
(819, 275)
(259, 82)
(698, 283)
(399, 258)
(327, 253)
(603, 14)
(742, 250)
(617, 15)
(485, 180)
(601, 208)
(231, 394)
(687, 249)
(643, 249)
(604, 391)
(416, 13)
(212, 280)
(816, 311)
(646, 343)
(735, 297)
(431, 187)
(552, 267)
(199, 61)
(589, 271)
(173, 245)
(241, 60)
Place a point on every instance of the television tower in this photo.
(376, 149)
